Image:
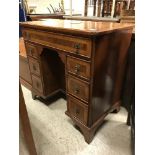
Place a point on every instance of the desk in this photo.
(83, 59)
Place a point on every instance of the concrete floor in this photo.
(54, 133)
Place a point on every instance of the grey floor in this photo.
(54, 133)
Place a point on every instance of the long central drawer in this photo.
(77, 45)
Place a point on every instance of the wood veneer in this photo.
(26, 127)
(24, 71)
(99, 48)
(78, 67)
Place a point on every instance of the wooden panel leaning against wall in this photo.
(24, 70)
(25, 124)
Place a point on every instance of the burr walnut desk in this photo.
(83, 59)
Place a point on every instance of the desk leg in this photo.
(26, 124)
(33, 95)
(116, 109)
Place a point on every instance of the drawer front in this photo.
(34, 66)
(37, 84)
(78, 109)
(78, 88)
(31, 50)
(76, 45)
(78, 67)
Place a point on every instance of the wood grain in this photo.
(88, 28)
(26, 123)
(96, 51)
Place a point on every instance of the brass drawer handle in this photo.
(76, 90)
(77, 46)
(77, 68)
(77, 111)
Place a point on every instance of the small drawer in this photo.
(31, 50)
(78, 109)
(37, 84)
(78, 88)
(34, 66)
(78, 67)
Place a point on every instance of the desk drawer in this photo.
(37, 84)
(78, 88)
(31, 50)
(77, 45)
(78, 109)
(34, 66)
(78, 67)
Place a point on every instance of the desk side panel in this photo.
(109, 61)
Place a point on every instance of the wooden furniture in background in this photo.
(132, 5)
(94, 8)
(106, 10)
(103, 8)
(35, 17)
(107, 7)
(86, 8)
(128, 91)
(98, 8)
(85, 60)
(119, 6)
(95, 19)
(24, 71)
(26, 123)
(127, 16)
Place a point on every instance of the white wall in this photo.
(41, 5)
(77, 6)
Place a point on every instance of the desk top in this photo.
(89, 28)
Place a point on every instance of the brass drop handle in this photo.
(77, 68)
(77, 46)
(34, 68)
(76, 90)
(77, 111)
